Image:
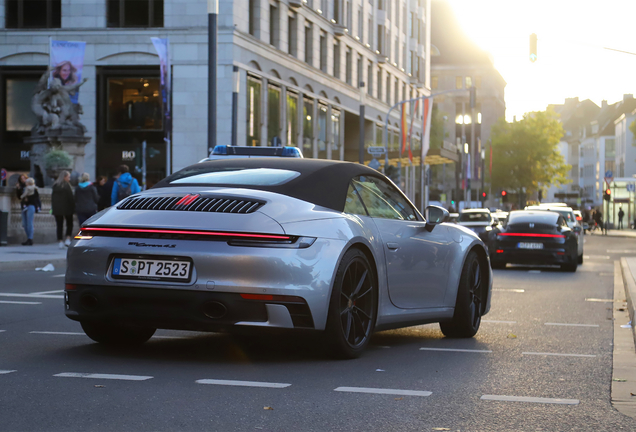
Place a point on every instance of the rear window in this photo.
(235, 176)
(474, 217)
(567, 214)
(539, 216)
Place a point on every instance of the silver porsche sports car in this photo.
(332, 247)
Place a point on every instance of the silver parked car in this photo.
(275, 243)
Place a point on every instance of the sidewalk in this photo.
(617, 233)
(14, 258)
(624, 355)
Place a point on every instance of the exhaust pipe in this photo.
(89, 302)
(214, 310)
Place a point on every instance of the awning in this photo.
(440, 156)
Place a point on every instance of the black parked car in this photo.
(535, 237)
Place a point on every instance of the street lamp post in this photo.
(213, 12)
(483, 174)
(235, 94)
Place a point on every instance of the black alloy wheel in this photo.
(471, 297)
(353, 306)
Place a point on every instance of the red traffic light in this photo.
(608, 191)
(504, 193)
(483, 194)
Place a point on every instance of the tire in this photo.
(580, 259)
(353, 306)
(470, 300)
(569, 267)
(117, 335)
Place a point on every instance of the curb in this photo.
(624, 354)
(30, 265)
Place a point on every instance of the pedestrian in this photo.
(20, 185)
(63, 207)
(621, 214)
(124, 186)
(104, 195)
(30, 204)
(86, 199)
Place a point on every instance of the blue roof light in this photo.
(292, 152)
(220, 150)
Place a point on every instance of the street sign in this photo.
(631, 187)
(374, 164)
(376, 151)
(609, 174)
(3, 174)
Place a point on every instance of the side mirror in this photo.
(435, 215)
(577, 229)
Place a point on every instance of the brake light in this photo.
(499, 250)
(185, 232)
(70, 287)
(531, 235)
(579, 218)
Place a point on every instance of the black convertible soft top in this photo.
(321, 182)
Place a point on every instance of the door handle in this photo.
(393, 246)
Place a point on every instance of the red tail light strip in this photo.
(190, 200)
(270, 297)
(185, 232)
(182, 200)
(531, 235)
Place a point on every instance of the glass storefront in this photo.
(292, 119)
(19, 116)
(253, 111)
(335, 134)
(322, 131)
(134, 104)
(308, 127)
(273, 115)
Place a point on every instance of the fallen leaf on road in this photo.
(100, 386)
(621, 309)
(619, 380)
(399, 398)
(441, 429)
(512, 336)
(632, 394)
(268, 408)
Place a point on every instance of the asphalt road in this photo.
(45, 360)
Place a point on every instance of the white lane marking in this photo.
(2, 331)
(621, 251)
(383, 391)
(19, 302)
(606, 274)
(499, 322)
(103, 376)
(599, 300)
(596, 257)
(530, 399)
(572, 325)
(46, 292)
(169, 337)
(557, 354)
(58, 333)
(455, 350)
(242, 383)
(60, 275)
(45, 296)
(2, 372)
(534, 271)
(509, 290)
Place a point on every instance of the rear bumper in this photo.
(182, 309)
(545, 256)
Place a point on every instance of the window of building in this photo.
(292, 119)
(360, 23)
(336, 59)
(274, 26)
(337, 13)
(309, 43)
(253, 111)
(411, 25)
(335, 134)
(434, 82)
(134, 104)
(379, 81)
(323, 51)
(389, 7)
(404, 25)
(360, 75)
(253, 18)
(459, 82)
(370, 30)
(33, 13)
(369, 82)
(322, 131)
(19, 116)
(397, 51)
(292, 32)
(348, 66)
(308, 127)
(273, 114)
(396, 91)
(409, 63)
(324, 8)
(469, 82)
(135, 13)
(388, 88)
(349, 16)
(381, 46)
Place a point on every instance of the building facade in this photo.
(301, 65)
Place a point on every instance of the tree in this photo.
(526, 156)
(632, 128)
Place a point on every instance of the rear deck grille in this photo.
(191, 203)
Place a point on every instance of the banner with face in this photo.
(66, 59)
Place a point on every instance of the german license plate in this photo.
(153, 269)
(524, 245)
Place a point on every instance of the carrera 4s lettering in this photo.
(141, 244)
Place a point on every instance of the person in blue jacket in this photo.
(124, 186)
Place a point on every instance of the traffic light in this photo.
(607, 195)
(504, 196)
(473, 97)
(483, 194)
(533, 47)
